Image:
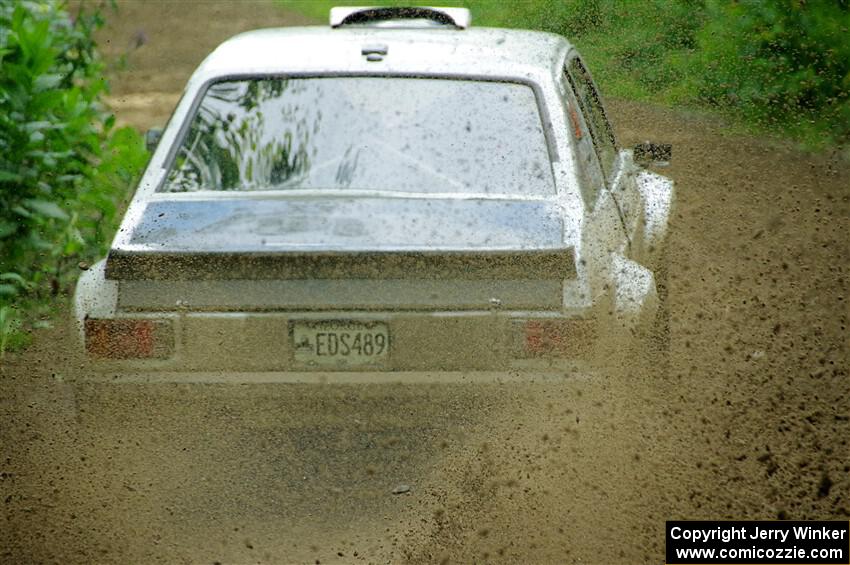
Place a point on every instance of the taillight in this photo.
(559, 338)
(129, 339)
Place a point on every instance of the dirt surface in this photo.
(751, 422)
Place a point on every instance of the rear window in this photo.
(365, 133)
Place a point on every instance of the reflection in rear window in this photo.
(365, 133)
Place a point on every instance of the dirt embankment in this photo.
(751, 422)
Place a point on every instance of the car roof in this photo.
(480, 52)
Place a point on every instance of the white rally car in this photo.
(395, 192)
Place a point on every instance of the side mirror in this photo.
(152, 137)
(649, 153)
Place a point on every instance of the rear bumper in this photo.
(255, 343)
(556, 372)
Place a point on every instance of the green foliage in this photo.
(783, 65)
(63, 168)
(784, 62)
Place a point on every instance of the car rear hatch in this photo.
(342, 253)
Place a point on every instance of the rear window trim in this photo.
(543, 111)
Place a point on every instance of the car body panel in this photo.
(475, 52)
(340, 294)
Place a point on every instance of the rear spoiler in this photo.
(426, 264)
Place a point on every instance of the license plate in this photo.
(340, 343)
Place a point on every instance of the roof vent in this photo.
(458, 18)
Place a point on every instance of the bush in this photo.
(784, 62)
(63, 168)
